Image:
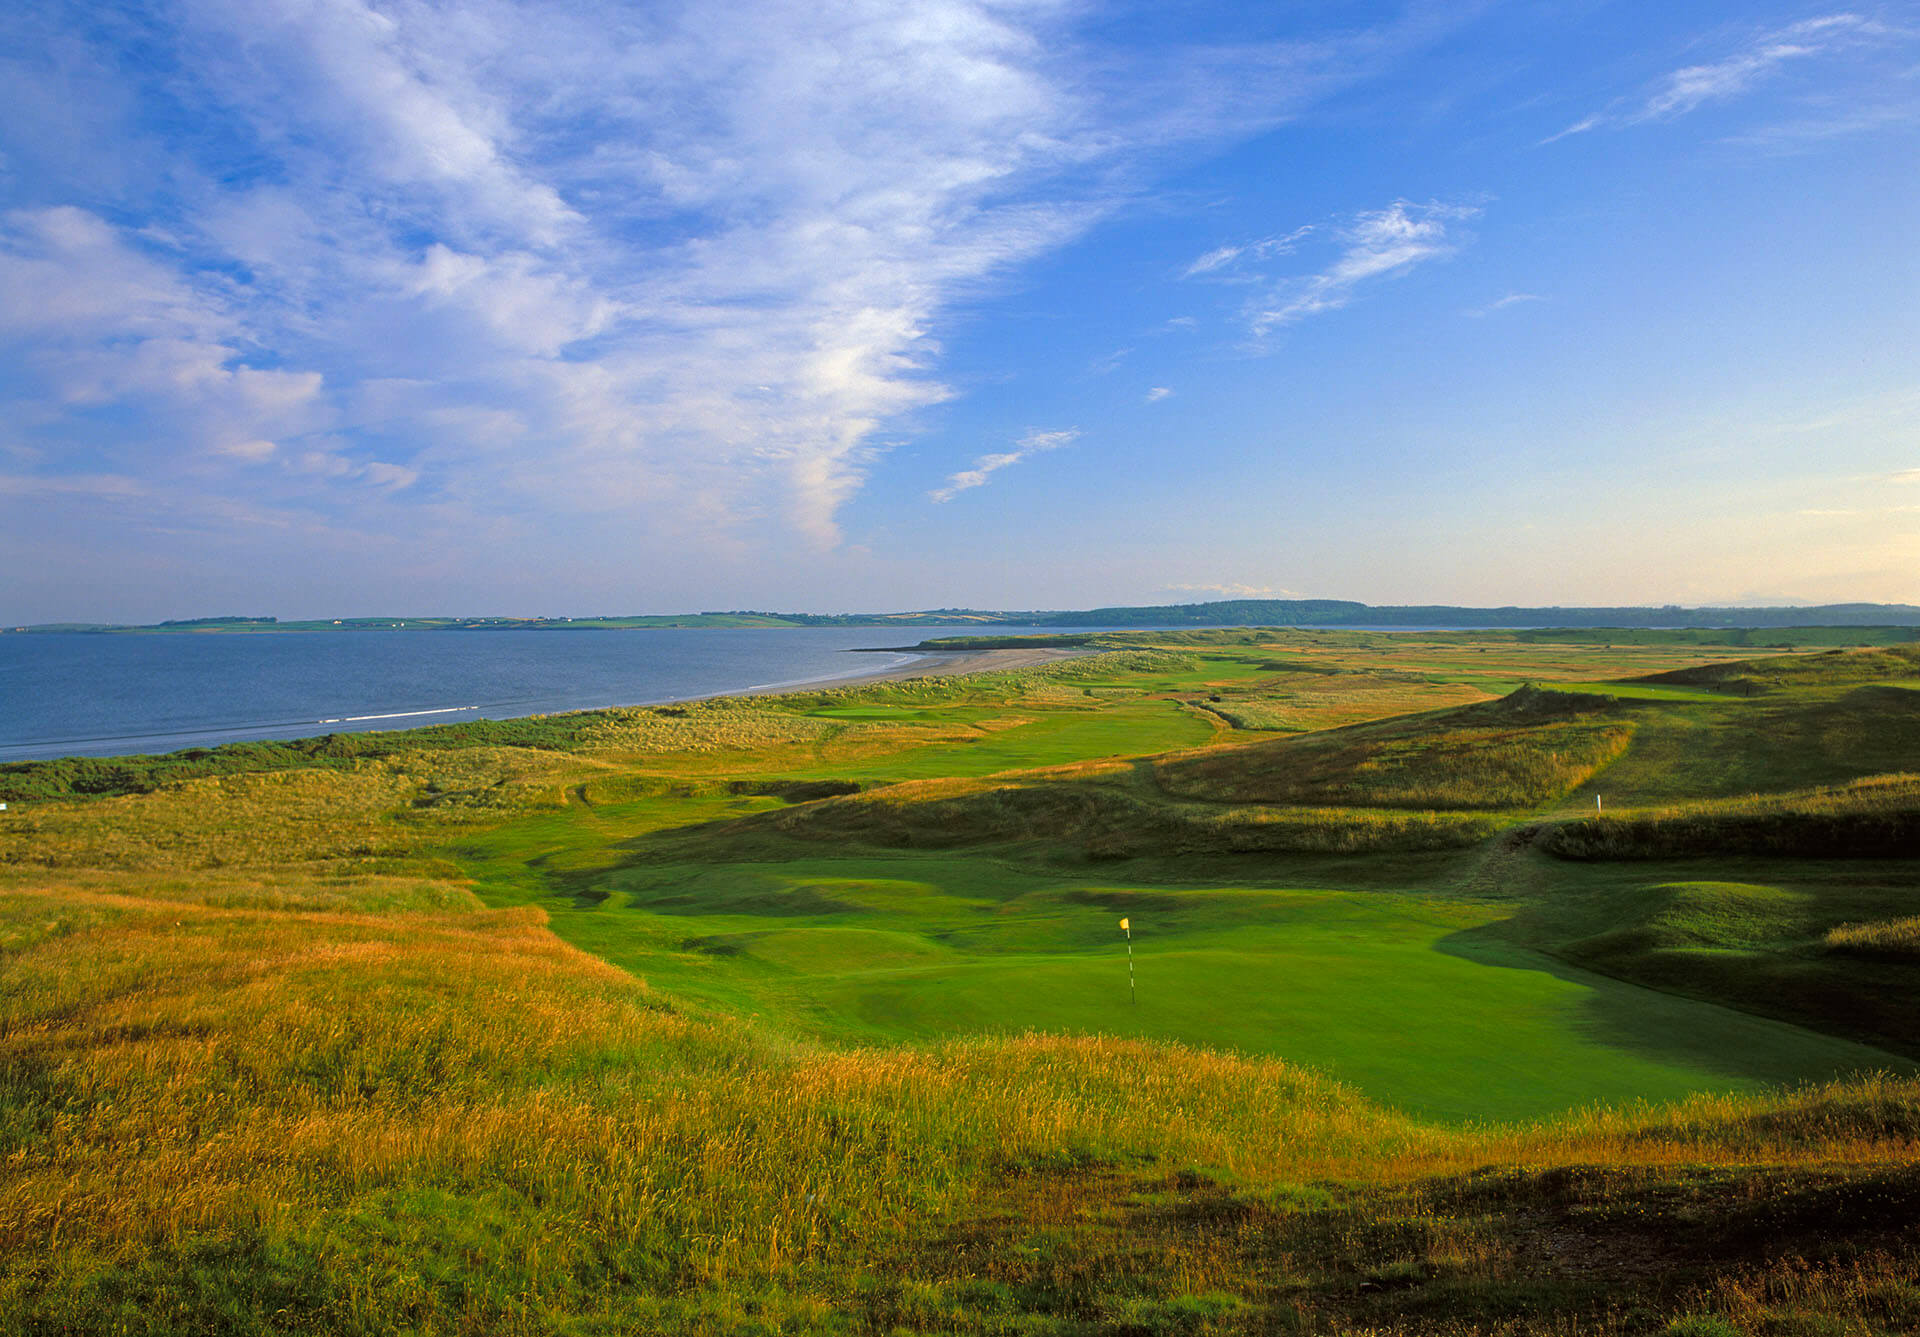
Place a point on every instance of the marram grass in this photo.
(269, 1063)
(339, 1119)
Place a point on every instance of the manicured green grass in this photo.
(1395, 994)
(1766, 936)
(303, 1041)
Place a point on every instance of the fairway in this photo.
(821, 1000)
(1403, 980)
(1393, 994)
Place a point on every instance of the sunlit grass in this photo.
(269, 1062)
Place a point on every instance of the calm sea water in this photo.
(104, 695)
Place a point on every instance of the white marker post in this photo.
(1596, 803)
(1132, 997)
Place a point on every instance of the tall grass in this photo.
(338, 1118)
(268, 1066)
(1102, 812)
(1436, 765)
(1878, 817)
(1887, 939)
(1829, 668)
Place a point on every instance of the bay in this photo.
(93, 694)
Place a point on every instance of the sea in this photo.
(101, 694)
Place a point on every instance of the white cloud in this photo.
(405, 106)
(1502, 303)
(1379, 244)
(1689, 88)
(1214, 259)
(1235, 590)
(1904, 476)
(254, 450)
(1158, 393)
(680, 271)
(988, 465)
(104, 321)
(1229, 257)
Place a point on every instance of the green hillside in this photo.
(1478, 984)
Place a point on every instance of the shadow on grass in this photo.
(1681, 1031)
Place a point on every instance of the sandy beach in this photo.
(931, 664)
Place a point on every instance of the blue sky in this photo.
(312, 307)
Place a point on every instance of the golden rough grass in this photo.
(420, 1096)
(264, 817)
(1897, 938)
(1439, 767)
(217, 1026)
(1299, 702)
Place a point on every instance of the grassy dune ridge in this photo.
(708, 1018)
(1874, 818)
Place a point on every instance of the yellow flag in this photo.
(1125, 925)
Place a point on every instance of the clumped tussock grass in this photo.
(1886, 940)
(70, 777)
(1471, 758)
(271, 817)
(1878, 817)
(347, 1120)
(1105, 814)
(1830, 668)
(1258, 716)
(1329, 699)
(707, 728)
(268, 1066)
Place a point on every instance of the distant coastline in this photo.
(1224, 613)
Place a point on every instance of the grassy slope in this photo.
(269, 1066)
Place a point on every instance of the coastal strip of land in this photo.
(929, 664)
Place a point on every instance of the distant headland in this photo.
(1222, 613)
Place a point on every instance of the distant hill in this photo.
(1223, 613)
(1340, 612)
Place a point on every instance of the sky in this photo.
(313, 308)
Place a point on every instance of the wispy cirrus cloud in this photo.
(987, 465)
(1739, 71)
(1502, 303)
(1228, 258)
(650, 274)
(1158, 393)
(1377, 244)
(1234, 590)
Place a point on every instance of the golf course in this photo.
(1493, 981)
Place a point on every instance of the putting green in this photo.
(1415, 1001)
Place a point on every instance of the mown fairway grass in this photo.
(1386, 991)
(810, 1014)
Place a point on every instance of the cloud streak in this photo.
(1378, 244)
(1688, 89)
(987, 465)
(1235, 590)
(1502, 303)
(1226, 258)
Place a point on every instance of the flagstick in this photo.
(1132, 997)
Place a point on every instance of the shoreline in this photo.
(923, 664)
